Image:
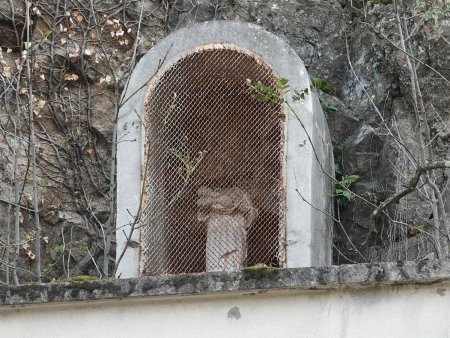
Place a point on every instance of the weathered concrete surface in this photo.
(385, 300)
(250, 280)
(390, 311)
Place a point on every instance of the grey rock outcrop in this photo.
(77, 117)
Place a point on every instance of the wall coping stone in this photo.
(249, 280)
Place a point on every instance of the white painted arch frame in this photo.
(308, 230)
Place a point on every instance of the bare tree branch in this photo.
(412, 184)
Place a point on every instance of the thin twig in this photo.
(412, 184)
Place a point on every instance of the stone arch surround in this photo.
(307, 230)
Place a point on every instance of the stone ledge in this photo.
(248, 280)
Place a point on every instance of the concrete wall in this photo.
(402, 299)
(389, 311)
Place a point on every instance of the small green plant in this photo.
(302, 144)
(342, 190)
(274, 95)
(48, 268)
(383, 65)
(300, 94)
(56, 250)
(268, 94)
(327, 107)
(338, 149)
(322, 84)
(421, 227)
(381, 2)
(82, 247)
(170, 111)
(189, 164)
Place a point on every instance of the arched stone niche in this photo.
(200, 153)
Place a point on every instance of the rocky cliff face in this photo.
(83, 52)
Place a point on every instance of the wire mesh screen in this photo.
(213, 172)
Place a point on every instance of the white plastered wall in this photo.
(419, 311)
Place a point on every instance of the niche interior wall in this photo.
(210, 175)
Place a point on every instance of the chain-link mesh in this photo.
(214, 162)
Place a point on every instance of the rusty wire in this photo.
(207, 133)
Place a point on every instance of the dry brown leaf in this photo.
(41, 103)
(71, 77)
(78, 16)
(31, 254)
(120, 32)
(40, 151)
(7, 72)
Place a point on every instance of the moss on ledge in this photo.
(259, 272)
(255, 278)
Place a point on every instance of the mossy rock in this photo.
(260, 272)
(323, 85)
(381, 2)
(76, 279)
